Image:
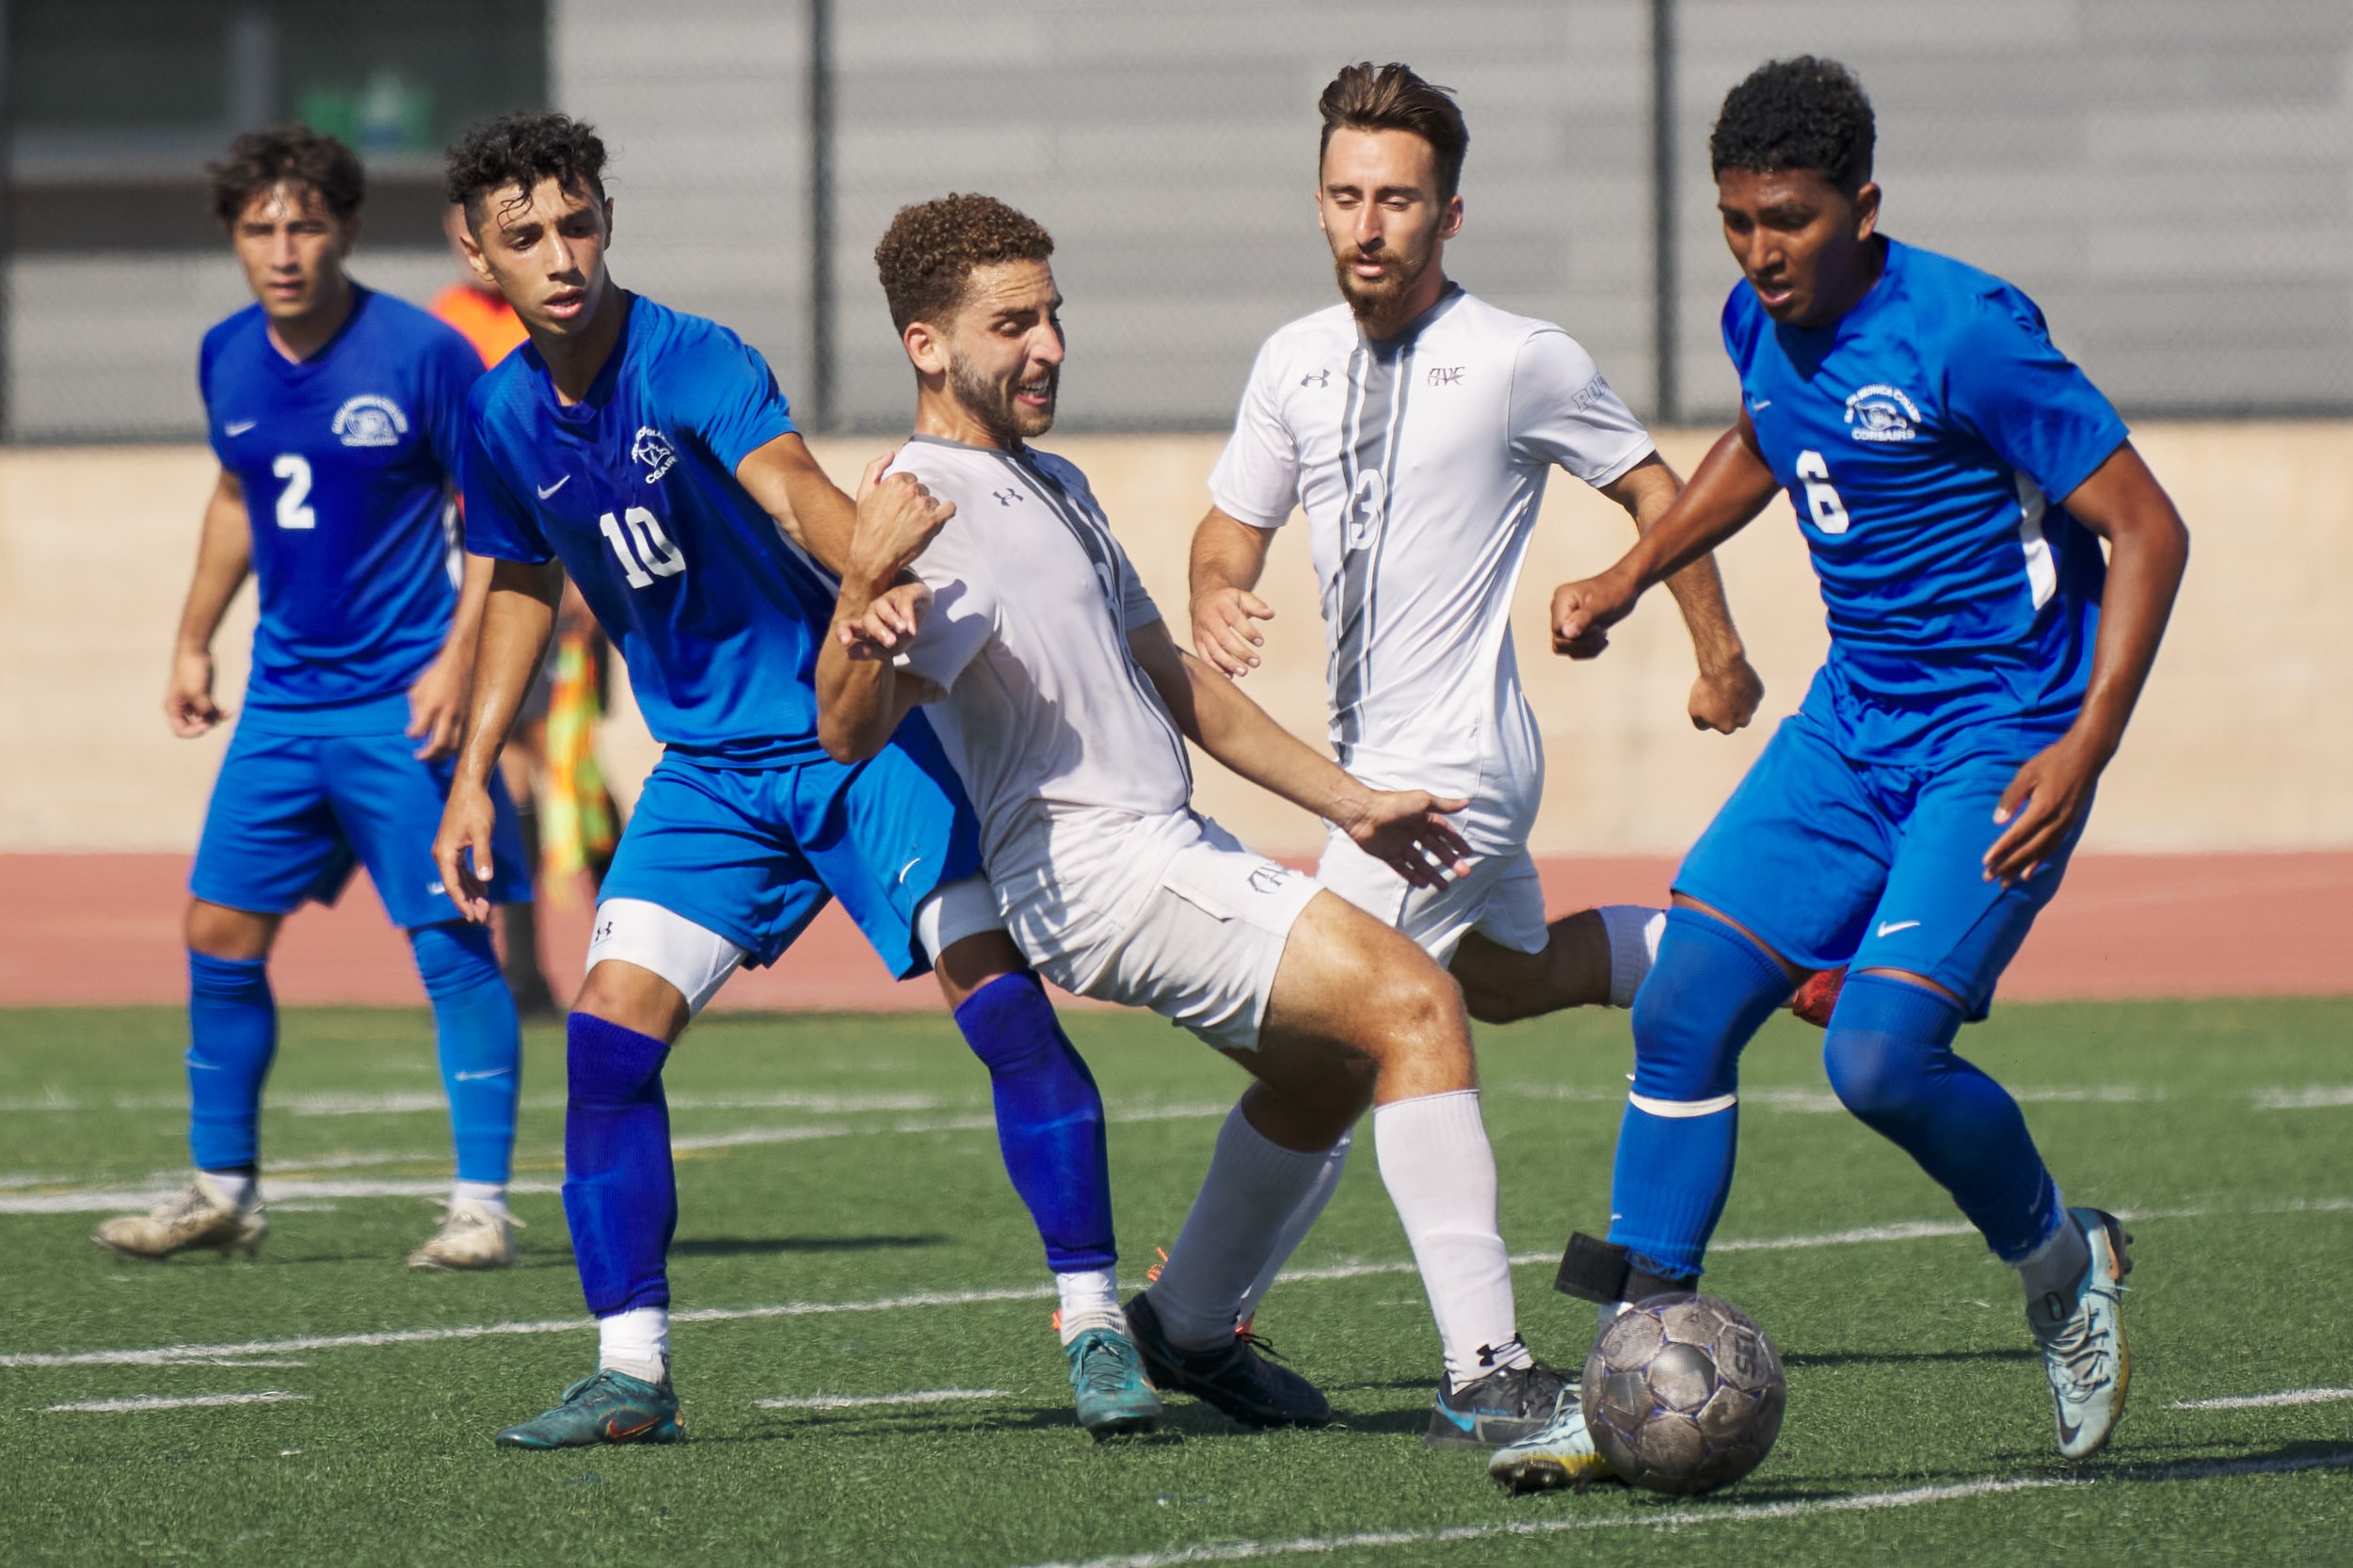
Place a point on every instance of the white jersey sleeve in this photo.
(962, 615)
(1256, 477)
(1563, 411)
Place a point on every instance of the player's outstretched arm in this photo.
(1725, 696)
(517, 618)
(1732, 485)
(2148, 551)
(437, 703)
(224, 556)
(1228, 555)
(1405, 827)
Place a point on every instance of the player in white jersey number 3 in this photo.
(1414, 424)
(1064, 704)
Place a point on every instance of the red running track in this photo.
(77, 929)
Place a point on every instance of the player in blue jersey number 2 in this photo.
(651, 453)
(1954, 475)
(336, 414)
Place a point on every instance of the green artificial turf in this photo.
(846, 1163)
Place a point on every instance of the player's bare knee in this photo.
(217, 930)
(623, 993)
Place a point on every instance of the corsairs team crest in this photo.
(652, 448)
(369, 419)
(1882, 413)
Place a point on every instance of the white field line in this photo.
(2318, 1097)
(2267, 1402)
(861, 1401)
(177, 1402)
(1821, 1101)
(127, 1200)
(1682, 1518)
(165, 1356)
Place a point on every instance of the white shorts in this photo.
(1203, 947)
(1503, 899)
(698, 961)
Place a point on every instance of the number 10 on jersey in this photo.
(643, 548)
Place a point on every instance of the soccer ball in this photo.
(1683, 1394)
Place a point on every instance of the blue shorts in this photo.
(753, 854)
(1831, 861)
(292, 815)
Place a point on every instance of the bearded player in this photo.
(336, 413)
(1416, 425)
(1954, 477)
(650, 455)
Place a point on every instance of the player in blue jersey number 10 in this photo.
(1954, 477)
(336, 413)
(651, 453)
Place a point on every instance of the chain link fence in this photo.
(2172, 179)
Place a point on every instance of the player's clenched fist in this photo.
(896, 517)
(1583, 613)
(1226, 630)
(461, 850)
(188, 704)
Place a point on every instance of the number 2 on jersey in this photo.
(644, 549)
(294, 502)
(1830, 513)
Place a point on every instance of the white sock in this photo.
(1302, 1220)
(2051, 1272)
(636, 1342)
(234, 1187)
(1254, 1185)
(1090, 1299)
(489, 1194)
(1634, 930)
(1441, 1174)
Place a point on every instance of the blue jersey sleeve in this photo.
(498, 525)
(204, 358)
(448, 373)
(720, 387)
(2007, 383)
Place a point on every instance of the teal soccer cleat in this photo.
(608, 1407)
(2084, 1353)
(1115, 1400)
(1560, 1453)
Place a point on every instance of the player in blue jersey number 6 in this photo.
(1954, 477)
(651, 454)
(336, 414)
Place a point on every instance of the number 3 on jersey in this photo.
(1830, 513)
(644, 549)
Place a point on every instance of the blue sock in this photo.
(621, 1194)
(1050, 1119)
(233, 1035)
(1710, 989)
(481, 1045)
(1890, 1056)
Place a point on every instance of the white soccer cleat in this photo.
(473, 1235)
(200, 1217)
(1560, 1453)
(2083, 1354)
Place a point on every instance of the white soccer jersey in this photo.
(1077, 771)
(1420, 462)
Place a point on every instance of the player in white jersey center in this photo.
(1064, 704)
(1414, 424)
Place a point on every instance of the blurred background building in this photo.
(2171, 179)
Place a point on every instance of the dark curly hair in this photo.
(522, 150)
(289, 155)
(928, 253)
(1393, 98)
(1802, 113)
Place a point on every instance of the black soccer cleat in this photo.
(1234, 1377)
(1497, 1409)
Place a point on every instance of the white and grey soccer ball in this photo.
(1684, 1394)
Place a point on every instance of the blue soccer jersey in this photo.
(347, 459)
(633, 489)
(1927, 438)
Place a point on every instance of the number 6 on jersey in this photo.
(1830, 513)
(645, 550)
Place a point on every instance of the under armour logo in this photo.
(1006, 498)
(1320, 377)
(604, 929)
